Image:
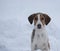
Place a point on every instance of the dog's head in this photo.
(40, 20)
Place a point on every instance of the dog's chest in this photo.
(40, 36)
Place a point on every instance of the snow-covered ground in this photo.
(15, 30)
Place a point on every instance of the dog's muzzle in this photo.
(39, 26)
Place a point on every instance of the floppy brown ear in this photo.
(47, 18)
(30, 18)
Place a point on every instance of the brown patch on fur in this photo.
(35, 20)
(47, 18)
(42, 19)
(31, 17)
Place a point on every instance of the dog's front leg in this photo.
(33, 47)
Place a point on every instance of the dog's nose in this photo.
(39, 26)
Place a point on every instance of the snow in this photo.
(15, 30)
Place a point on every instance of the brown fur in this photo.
(33, 16)
(42, 19)
(47, 18)
(35, 20)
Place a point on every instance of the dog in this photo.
(39, 39)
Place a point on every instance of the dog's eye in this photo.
(42, 18)
(36, 18)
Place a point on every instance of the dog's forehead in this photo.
(39, 15)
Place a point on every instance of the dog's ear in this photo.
(31, 17)
(47, 18)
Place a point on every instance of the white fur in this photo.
(40, 38)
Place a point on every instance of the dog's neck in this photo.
(40, 32)
(42, 29)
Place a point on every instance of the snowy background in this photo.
(15, 30)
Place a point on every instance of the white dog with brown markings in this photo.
(39, 39)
